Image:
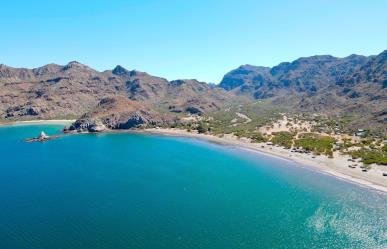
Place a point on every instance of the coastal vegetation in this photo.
(284, 139)
(254, 136)
(202, 127)
(370, 156)
(369, 150)
(240, 118)
(260, 125)
(316, 143)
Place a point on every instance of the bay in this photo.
(148, 191)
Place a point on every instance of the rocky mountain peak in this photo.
(74, 64)
(134, 73)
(47, 69)
(177, 82)
(119, 70)
(382, 57)
(252, 67)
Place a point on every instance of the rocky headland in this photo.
(120, 113)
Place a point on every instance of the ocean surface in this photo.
(131, 191)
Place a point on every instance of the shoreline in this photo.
(336, 167)
(39, 121)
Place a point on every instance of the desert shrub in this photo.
(257, 137)
(202, 127)
(371, 156)
(316, 143)
(283, 138)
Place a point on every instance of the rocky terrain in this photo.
(119, 112)
(69, 91)
(354, 87)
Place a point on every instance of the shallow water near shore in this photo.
(148, 191)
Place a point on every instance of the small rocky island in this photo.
(43, 137)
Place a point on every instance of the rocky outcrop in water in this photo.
(87, 125)
(43, 137)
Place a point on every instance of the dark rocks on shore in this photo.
(119, 113)
(113, 122)
(82, 125)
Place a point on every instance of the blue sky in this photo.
(200, 39)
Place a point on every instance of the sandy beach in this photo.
(337, 166)
(48, 121)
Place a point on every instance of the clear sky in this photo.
(200, 39)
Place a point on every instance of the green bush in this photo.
(257, 137)
(283, 138)
(316, 143)
(371, 156)
(202, 127)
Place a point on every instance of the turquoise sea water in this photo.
(140, 191)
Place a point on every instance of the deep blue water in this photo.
(141, 191)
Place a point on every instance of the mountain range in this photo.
(354, 85)
(327, 85)
(55, 91)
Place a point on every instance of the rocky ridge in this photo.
(69, 91)
(354, 85)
